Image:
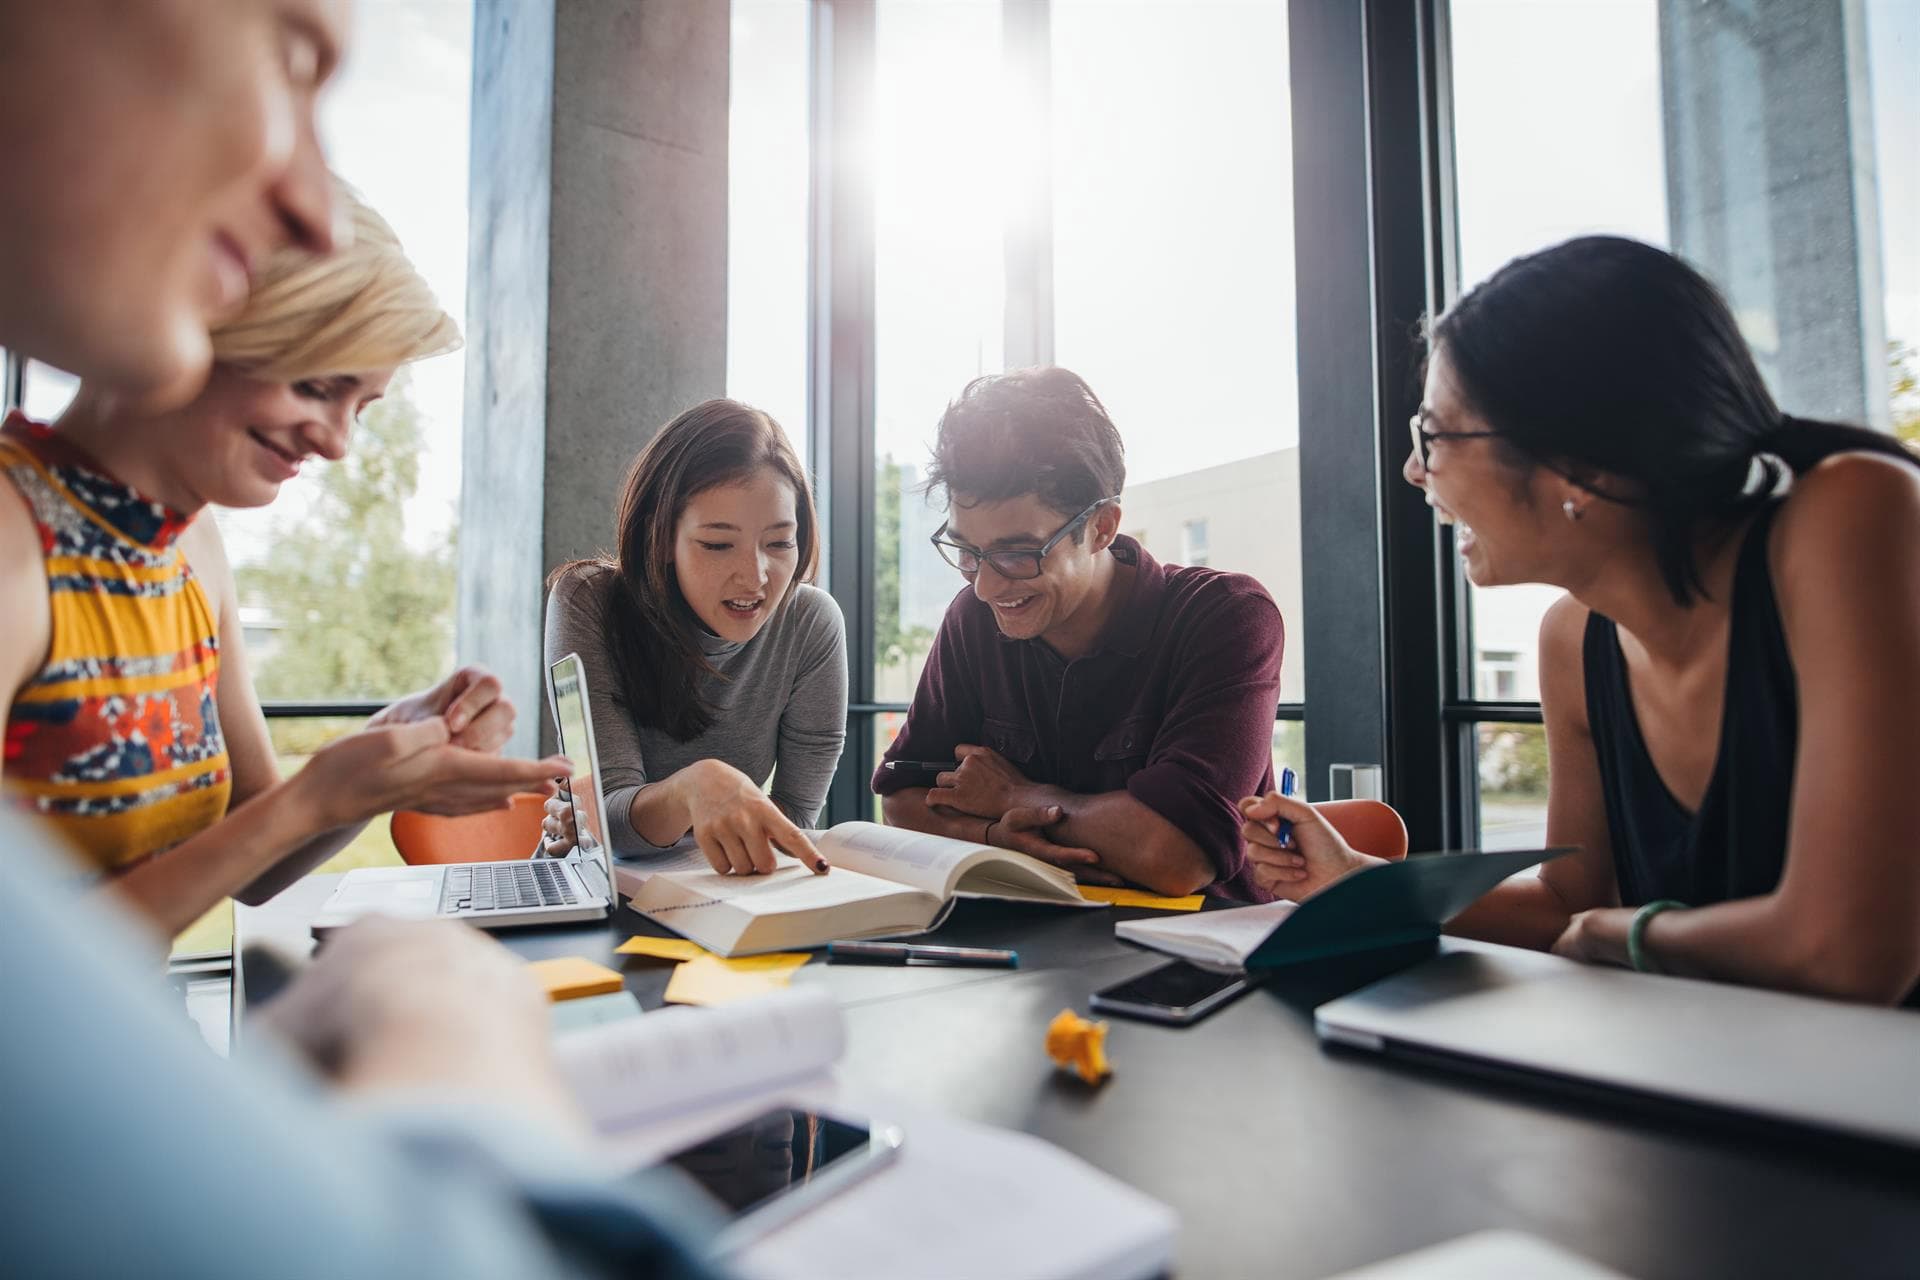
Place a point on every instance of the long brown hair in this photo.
(652, 632)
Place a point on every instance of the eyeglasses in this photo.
(1423, 438)
(1018, 564)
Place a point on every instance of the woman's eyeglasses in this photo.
(1423, 438)
(1017, 564)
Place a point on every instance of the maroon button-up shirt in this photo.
(1174, 705)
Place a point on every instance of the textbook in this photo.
(884, 880)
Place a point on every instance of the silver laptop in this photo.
(525, 890)
(1761, 1055)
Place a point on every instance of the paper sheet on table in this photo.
(1487, 1255)
(1140, 898)
(641, 944)
(1224, 938)
(963, 1200)
(712, 980)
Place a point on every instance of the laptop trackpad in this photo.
(399, 891)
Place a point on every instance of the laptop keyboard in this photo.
(506, 886)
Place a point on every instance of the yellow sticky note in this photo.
(712, 980)
(570, 977)
(660, 948)
(1140, 898)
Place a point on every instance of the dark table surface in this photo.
(1282, 1158)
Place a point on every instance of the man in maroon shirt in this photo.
(1105, 711)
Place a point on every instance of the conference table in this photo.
(1283, 1158)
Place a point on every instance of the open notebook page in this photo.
(626, 1072)
(1213, 937)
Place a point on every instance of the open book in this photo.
(885, 880)
(675, 1060)
(962, 1198)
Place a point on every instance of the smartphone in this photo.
(1177, 993)
(778, 1165)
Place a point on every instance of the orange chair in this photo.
(497, 835)
(1368, 826)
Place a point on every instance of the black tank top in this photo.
(1736, 845)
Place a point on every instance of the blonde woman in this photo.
(132, 725)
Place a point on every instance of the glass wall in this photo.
(1777, 147)
(941, 180)
(767, 177)
(1173, 275)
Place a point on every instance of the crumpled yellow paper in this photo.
(1079, 1045)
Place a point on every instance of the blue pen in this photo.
(1285, 829)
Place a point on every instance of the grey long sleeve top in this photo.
(781, 711)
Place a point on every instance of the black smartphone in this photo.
(1177, 993)
(778, 1164)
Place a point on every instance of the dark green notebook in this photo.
(1391, 905)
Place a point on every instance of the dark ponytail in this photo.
(1609, 355)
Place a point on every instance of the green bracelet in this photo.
(1637, 933)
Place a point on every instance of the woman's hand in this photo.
(1596, 937)
(736, 825)
(557, 836)
(1314, 856)
(479, 716)
(414, 765)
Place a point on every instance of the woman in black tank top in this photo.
(1731, 686)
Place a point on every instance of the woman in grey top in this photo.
(710, 662)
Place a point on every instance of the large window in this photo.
(1173, 275)
(1103, 186)
(1777, 147)
(767, 178)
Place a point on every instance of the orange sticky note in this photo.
(570, 977)
(641, 944)
(1140, 898)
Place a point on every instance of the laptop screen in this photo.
(575, 727)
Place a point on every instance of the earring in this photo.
(1573, 512)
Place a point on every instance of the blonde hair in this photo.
(364, 307)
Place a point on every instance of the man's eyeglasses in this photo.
(1423, 438)
(1018, 564)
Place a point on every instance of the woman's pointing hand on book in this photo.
(736, 825)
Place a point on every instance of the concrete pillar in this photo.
(1771, 189)
(597, 288)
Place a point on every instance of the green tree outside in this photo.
(1904, 366)
(362, 613)
(893, 645)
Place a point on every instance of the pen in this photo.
(908, 953)
(1285, 829)
(923, 766)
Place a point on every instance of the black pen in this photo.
(910, 953)
(922, 766)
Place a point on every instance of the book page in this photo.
(927, 862)
(626, 1072)
(789, 887)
